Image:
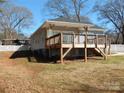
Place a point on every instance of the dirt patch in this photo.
(16, 79)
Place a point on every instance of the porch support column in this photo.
(78, 36)
(61, 49)
(109, 50)
(61, 55)
(105, 49)
(96, 41)
(85, 45)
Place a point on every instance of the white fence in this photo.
(13, 48)
(117, 48)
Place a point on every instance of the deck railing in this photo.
(53, 40)
(70, 38)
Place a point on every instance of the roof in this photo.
(15, 39)
(70, 22)
(83, 19)
(73, 19)
(65, 24)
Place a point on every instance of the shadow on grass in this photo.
(38, 57)
(32, 56)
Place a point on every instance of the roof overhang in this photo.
(92, 29)
(65, 24)
(15, 39)
(79, 26)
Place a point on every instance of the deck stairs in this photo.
(101, 51)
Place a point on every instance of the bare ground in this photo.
(96, 76)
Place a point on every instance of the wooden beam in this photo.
(78, 36)
(105, 47)
(68, 24)
(96, 42)
(61, 55)
(109, 49)
(86, 29)
(61, 49)
(73, 40)
(101, 52)
(92, 29)
(67, 52)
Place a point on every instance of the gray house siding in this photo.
(38, 44)
(38, 40)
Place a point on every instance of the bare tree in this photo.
(1, 2)
(13, 19)
(78, 6)
(58, 8)
(112, 11)
(66, 8)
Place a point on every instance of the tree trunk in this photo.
(78, 17)
(122, 34)
(122, 38)
(117, 39)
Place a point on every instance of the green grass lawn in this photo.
(95, 76)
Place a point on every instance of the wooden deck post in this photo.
(96, 42)
(61, 55)
(61, 49)
(109, 50)
(73, 40)
(105, 50)
(85, 47)
(78, 37)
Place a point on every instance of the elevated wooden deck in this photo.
(70, 40)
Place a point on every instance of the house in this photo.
(15, 41)
(67, 38)
(14, 38)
